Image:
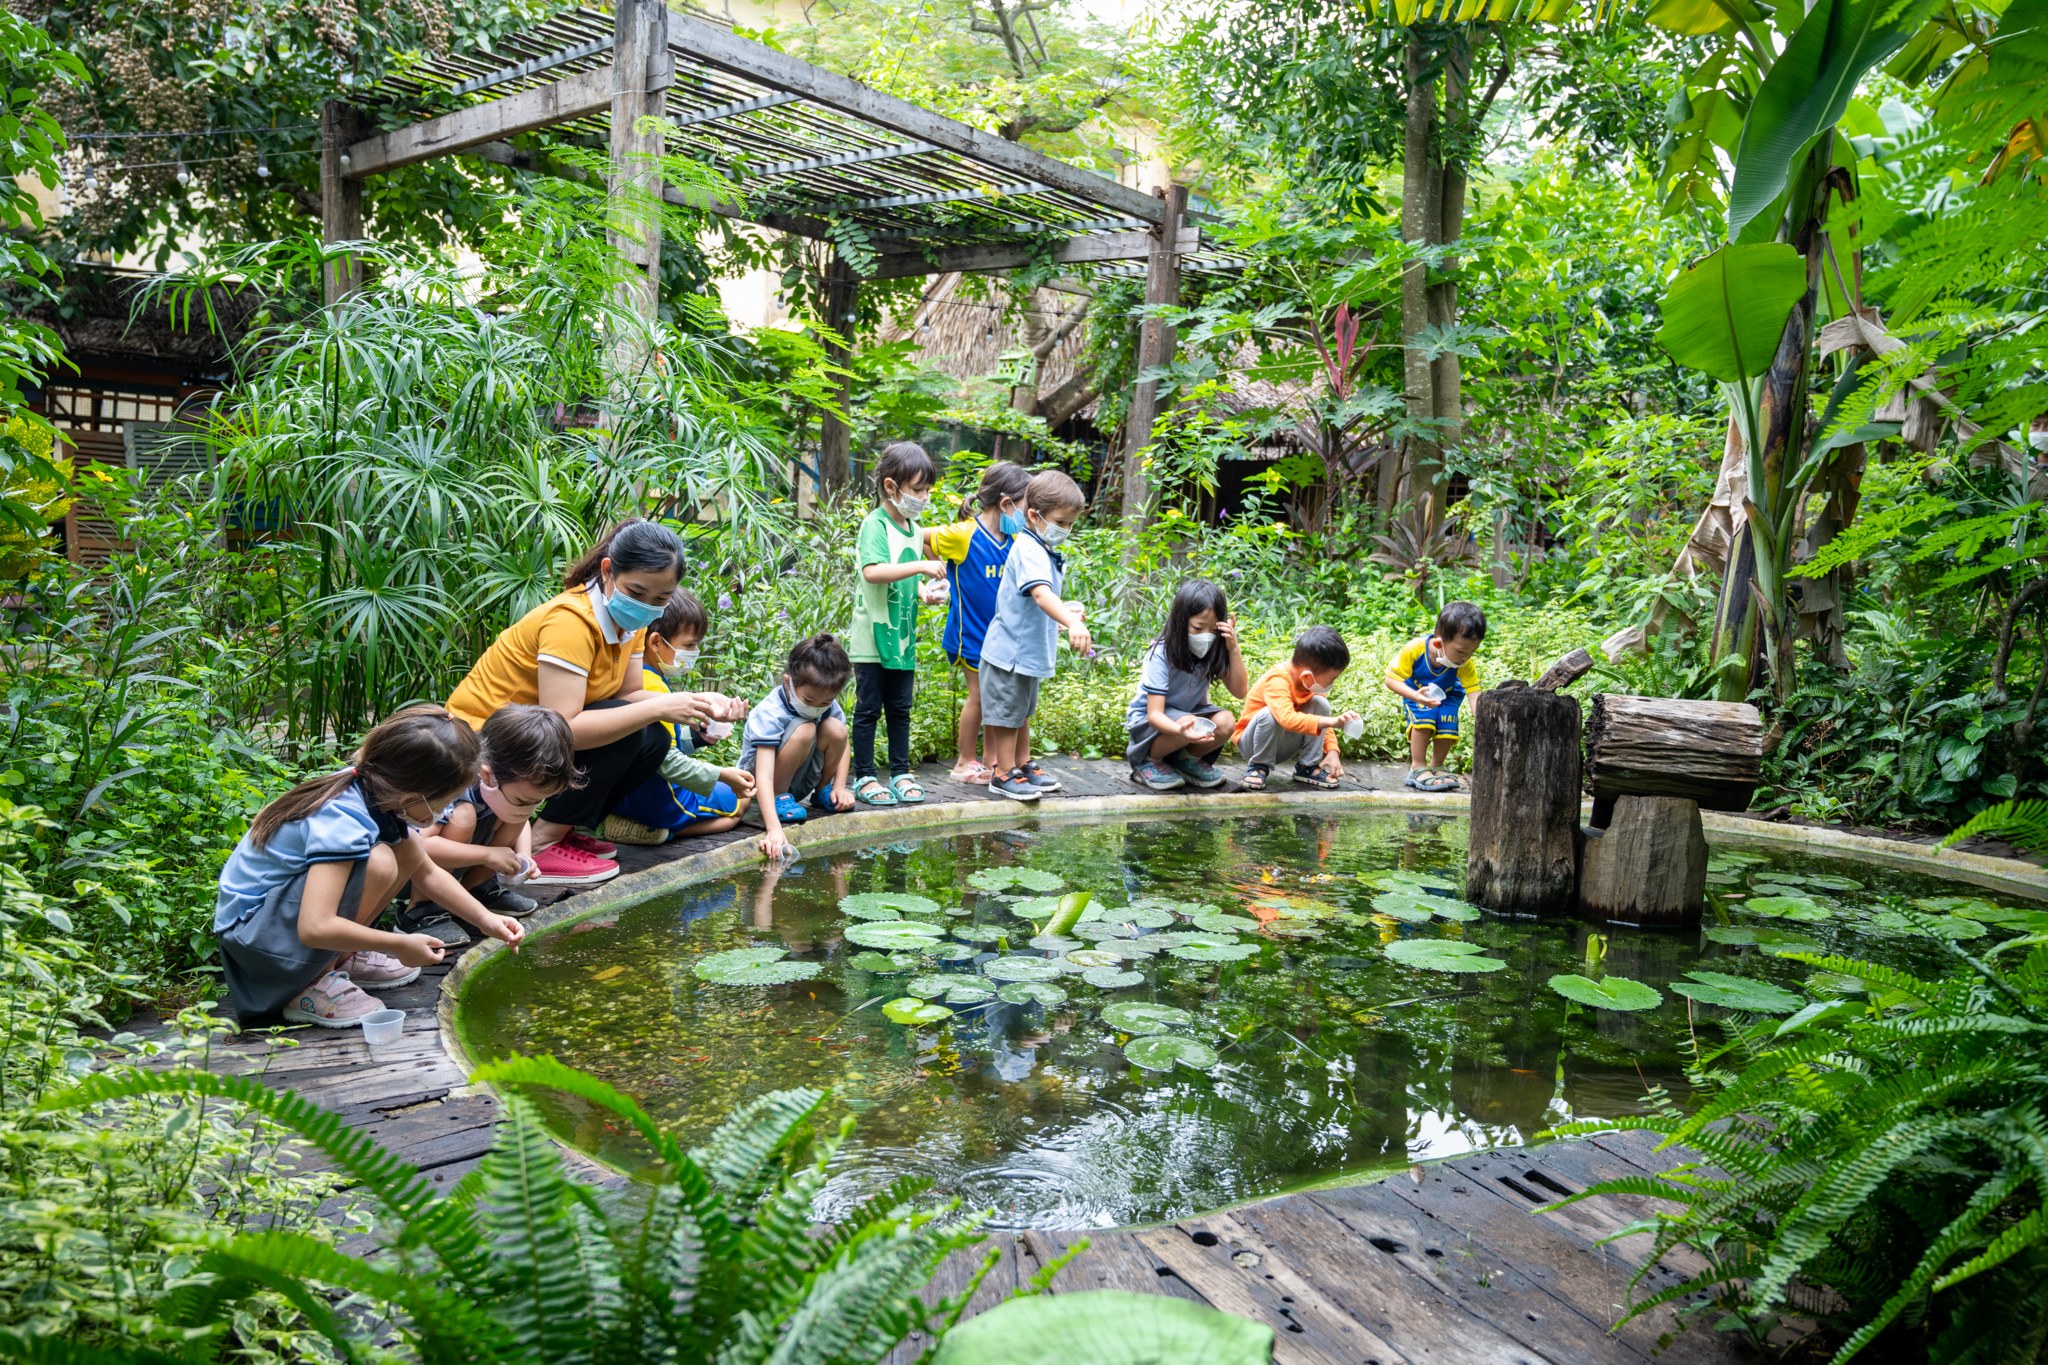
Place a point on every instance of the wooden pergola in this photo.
(807, 148)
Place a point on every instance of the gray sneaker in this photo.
(1015, 785)
(1037, 776)
(1198, 771)
(431, 920)
(1156, 775)
(494, 895)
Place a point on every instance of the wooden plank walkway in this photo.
(1443, 1263)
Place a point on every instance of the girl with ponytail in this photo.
(302, 890)
(580, 655)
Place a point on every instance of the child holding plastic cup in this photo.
(1174, 727)
(1432, 675)
(688, 796)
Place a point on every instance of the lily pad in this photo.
(762, 966)
(1297, 907)
(1142, 1016)
(1016, 879)
(1442, 955)
(1223, 922)
(1111, 978)
(1143, 916)
(1763, 936)
(1400, 877)
(1036, 907)
(1733, 861)
(967, 991)
(898, 934)
(1165, 1051)
(1093, 929)
(1055, 943)
(1826, 881)
(949, 952)
(1797, 890)
(1407, 906)
(1185, 909)
(882, 964)
(1032, 993)
(980, 933)
(1954, 928)
(887, 905)
(1214, 952)
(1737, 993)
(927, 987)
(1020, 969)
(911, 1010)
(1800, 908)
(1095, 957)
(1608, 993)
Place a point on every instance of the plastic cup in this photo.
(1204, 728)
(527, 867)
(715, 730)
(1432, 693)
(383, 1027)
(1354, 727)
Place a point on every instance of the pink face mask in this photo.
(503, 808)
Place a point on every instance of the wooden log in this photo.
(1706, 751)
(1649, 866)
(341, 200)
(1566, 671)
(1522, 856)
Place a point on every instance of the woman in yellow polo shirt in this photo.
(579, 654)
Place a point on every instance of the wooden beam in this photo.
(640, 73)
(835, 437)
(575, 96)
(1155, 348)
(341, 200)
(1108, 246)
(703, 41)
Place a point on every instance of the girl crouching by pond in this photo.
(302, 889)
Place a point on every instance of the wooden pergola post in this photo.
(1156, 340)
(640, 74)
(835, 437)
(341, 198)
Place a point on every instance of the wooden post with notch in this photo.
(641, 73)
(1522, 846)
(1156, 341)
(341, 199)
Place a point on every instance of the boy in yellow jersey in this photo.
(1431, 675)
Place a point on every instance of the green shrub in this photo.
(102, 1215)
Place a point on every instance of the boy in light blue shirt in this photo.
(1017, 654)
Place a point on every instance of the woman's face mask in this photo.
(628, 613)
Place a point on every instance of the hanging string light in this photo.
(184, 172)
(262, 165)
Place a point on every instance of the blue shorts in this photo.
(970, 662)
(658, 805)
(1440, 720)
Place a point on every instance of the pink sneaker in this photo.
(377, 971)
(583, 843)
(563, 865)
(333, 1001)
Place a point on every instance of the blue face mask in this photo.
(1013, 523)
(627, 613)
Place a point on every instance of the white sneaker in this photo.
(377, 971)
(333, 1001)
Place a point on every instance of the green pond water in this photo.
(1295, 1049)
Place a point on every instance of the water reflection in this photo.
(1332, 1057)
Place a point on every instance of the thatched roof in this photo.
(99, 321)
(964, 337)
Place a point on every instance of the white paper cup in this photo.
(383, 1027)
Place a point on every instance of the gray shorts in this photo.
(1264, 741)
(1142, 734)
(265, 962)
(804, 780)
(1007, 698)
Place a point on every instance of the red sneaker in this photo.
(563, 865)
(596, 848)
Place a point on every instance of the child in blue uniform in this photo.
(688, 796)
(1431, 675)
(973, 552)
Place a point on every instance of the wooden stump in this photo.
(1525, 801)
(1707, 751)
(1649, 866)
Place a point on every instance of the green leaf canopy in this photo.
(1723, 314)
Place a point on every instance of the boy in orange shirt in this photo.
(1288, 706)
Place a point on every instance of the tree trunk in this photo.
(1706, 751)
(1520, 856)
(1649, 866)
(835, 437)
(1155, 348)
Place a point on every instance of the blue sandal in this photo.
(906, 798)
(869, 791)
(789, 810)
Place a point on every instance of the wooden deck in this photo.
(1444, 1263)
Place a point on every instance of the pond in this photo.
(1248, 1005)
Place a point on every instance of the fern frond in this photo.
(744, 1155)
(398, 1186)
(41, 1350)
(546, 1071)
(2029, 1231)
(545, 1299)
(2020, 823)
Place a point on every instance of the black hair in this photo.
(903, 464)
(1320, 647)
(1461, 620)
(1194, 597)
(819, 662)
(526, 743)
(635, 545)
(1002, 480)
(684, 615)
(422, 751)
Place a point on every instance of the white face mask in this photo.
(681, 664)
(912, 505)
(1053, 535)
(804, 708)
(1201, 643)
